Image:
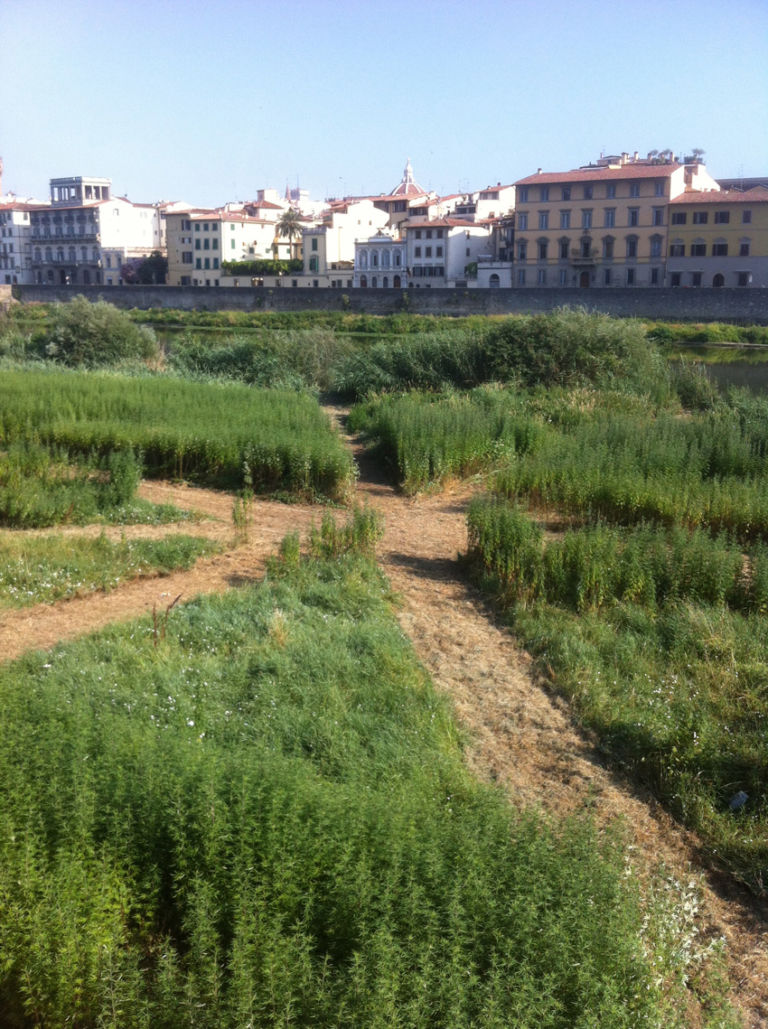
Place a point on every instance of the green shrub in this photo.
(88, 334)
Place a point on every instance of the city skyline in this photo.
(207, 105)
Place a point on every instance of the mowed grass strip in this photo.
(204, 432)
(43, 569)
(264, 818)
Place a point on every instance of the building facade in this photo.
(600, 225)
(719, 239)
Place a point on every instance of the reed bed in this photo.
(201, 432)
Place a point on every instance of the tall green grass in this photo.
(264, 818)
(659, 637)
(199, 431)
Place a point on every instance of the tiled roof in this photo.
(626, 171)
(420, 223)
(757, 195)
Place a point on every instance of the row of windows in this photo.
(609, 277)
(609, 218)
(374, 282)
(719, 249)
(585, 249)
(379, 259)
(206, 262)
(718, 280)
(207, 226)
(702, 217)
(208, 244)
(71, 254)
(428, 271)
(588, 191)
(428, 233)
(427, 251)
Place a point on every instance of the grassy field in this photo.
(266, 820)
(43, 569)
(203, 432)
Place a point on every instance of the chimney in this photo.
(637, 154)
(538, 171)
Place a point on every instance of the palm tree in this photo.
(290, 225)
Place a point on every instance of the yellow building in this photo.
(604, 224)
(719, 239)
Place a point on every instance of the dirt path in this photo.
(521, 737)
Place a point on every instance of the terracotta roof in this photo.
(757, 195)
(626, 171)
(19, 205)
(420, 223)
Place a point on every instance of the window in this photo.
(631, 246)
(610, 191)
(232, 244)
(314, 244)
(186, 257)
(197, 244)
(658, 188)
(541, 277)
(417, 251)
(698, 249)
(744, 248)
(564, 246)
(521, 276)
(215, 262)
(563, 276)
(438, 251)
(722, 217)
(206, 244)
(522, 250)
(607, 277)
(610, 217)
(543, 219)
(658, 216)
(743, 279)
(696, 278)
(565, 219)
(589, 191)
(634, 216)
(522, 195)
(746, 217)
(630, 276)
(428, 251)
(205, 226)
(199, 262)
(429, 233)
(608, 248)
(700, 217)
(677, 250)
(439, 234)
(418, 233)
(207, 262)
(720, 249)
(565, 193)
(654, 276)
(215, 244)
(586, 219)
(542, 249)
(522, 221)
(634, 189)
(543, 194)
(656, 242)
(679, 217)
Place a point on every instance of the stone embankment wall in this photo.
(727, 305)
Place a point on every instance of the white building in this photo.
(85, 236)
(200, 241)
(15, 232)
(380, 262)
(444, 251)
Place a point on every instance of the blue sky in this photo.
(207, 102)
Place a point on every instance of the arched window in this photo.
(363, 281)
(363, 258)
(718, 281)
(385, 282)
(608, 248)
(72, 256)
(374, 282)
(48, 254)
(396, 282)
(398, 259)
(522, 250)
(656, 242)
(494, 282)
(60, 254)
(631, 246)
(375, 259)
(385, 259)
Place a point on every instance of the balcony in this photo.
(582, 257)
(54, 238)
